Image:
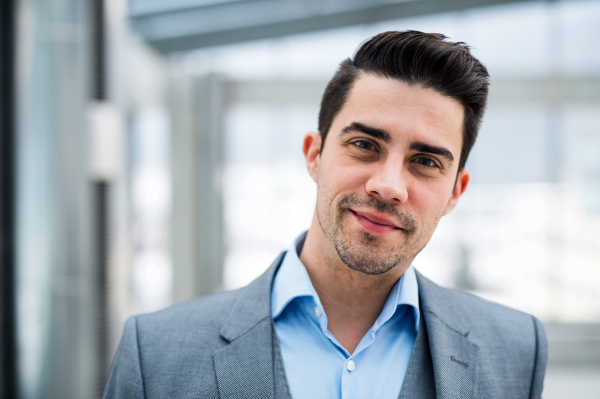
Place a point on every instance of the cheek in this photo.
(429, 199)
(340, 175)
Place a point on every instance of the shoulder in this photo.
(510, 345)
(169, 353)
(160, 351)
(177, 343)
(200, 318)
(483, 320)
(205, 319)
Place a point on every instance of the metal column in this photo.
(7, 284)
(53, 201)
(198, 245)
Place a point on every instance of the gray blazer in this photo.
(224, 346)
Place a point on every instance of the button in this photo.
(317, 311)
(350, 365)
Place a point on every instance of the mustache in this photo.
(407, 221)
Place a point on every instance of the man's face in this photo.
(387, 172)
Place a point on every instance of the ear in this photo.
(311, 147)
(462, 181)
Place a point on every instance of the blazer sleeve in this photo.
(541, 359)
(125, 379)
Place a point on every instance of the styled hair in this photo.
(414, 58)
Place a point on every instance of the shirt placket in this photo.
(351, 372)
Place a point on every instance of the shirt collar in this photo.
(292, 281)
(405, 292)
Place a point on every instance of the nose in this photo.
(387, 181)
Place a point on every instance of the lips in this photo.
(376, 219)
(376, 224)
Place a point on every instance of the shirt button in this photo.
(317, 311)
(350, 365)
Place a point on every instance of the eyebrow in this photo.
(431, 149)
(371, 131)
(384, 136)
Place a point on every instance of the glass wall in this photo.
(186, 176)
(86, 181)
(525, 234)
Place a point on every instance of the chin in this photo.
(373, 266)
(368, 254)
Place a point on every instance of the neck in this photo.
(351, 299)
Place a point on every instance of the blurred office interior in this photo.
(151, 153)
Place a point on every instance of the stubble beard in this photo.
(366, 256)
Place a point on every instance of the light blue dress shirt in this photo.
(316, 364)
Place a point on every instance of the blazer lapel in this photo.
(419, 380)
(244, 367)
(454, 356)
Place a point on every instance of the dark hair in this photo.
(414, 58)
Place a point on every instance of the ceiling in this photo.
(181, 25)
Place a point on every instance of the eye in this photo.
(364, 145)
(427, 162)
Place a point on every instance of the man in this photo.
(343, 314)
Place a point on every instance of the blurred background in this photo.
(151, 153)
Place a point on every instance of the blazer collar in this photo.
(442, 303)
(246, 364)
(244, 367)
(454, 356)
(252, 307)
(255, 304)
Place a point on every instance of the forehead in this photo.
(408, 113)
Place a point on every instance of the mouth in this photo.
(373, 223)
